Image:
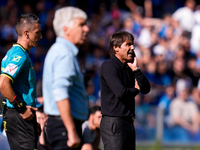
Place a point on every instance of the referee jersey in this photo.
(18, 67)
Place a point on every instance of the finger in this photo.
(33, 108)
(31, 117)
(69, 143)
(135, 60)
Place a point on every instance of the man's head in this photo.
(28, 28)
(121, 45)
(182, 88)
(95, 116)
(70, 23)
(41, 116)
(190, 4)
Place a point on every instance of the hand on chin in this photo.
(130, 60)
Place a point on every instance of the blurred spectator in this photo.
(163, 77)
(60, 4)
(128, 25)
(195, 37)
(165, 100)
(26, 8)
(144, 122)
(41, 119)
(178, 70)
(49, 38)
(8, 29)
(185, 15)
(184, 112)
(90, 91)
(95, 29)
(161, 49)
(193, 70)
(195, 96)
(144, 39)
(39, 94)
(90, 129)
(41, 11)
(6, 10)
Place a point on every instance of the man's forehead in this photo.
(98, 112)
(79, 20)
(36, 26)
(128, 42)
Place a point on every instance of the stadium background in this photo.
(149, 29)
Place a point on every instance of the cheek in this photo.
(98, 120)
(76, 35)
(37, 36)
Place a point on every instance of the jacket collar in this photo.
(118, 62)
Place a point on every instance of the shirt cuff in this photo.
(60, 94)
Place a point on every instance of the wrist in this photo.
(71, 130)
(19, 105)
(138, 68)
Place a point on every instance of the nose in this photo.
(40, 35)
(86, 28)
(132, 47)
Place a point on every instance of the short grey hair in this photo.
(65, 17)
(26, 21)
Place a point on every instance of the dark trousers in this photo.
(57, 133)
(22, 134)
(117, 133)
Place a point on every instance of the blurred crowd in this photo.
(167, 46)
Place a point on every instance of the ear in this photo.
(65, 29)
(91, 116)
(26, 34)
(116, 48)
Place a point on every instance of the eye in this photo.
(38, 32)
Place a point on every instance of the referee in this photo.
(18, 86)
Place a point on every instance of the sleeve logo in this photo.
(16, 58)
(11, 69)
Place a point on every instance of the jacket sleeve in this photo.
(142, 82)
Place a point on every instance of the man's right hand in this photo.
(73, 139)
(65, 113)
(136, 85)
(28, 114)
